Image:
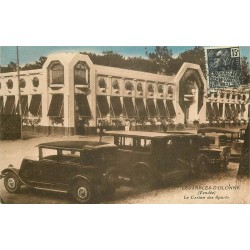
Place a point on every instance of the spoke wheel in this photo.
(142, 177)
(82, 192)
(12, 183)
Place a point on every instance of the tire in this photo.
(142, 177)
(12, 183)
(201, 165)
(82, 192)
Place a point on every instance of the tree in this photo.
(161, 59)
(245, 71)
(195, 55)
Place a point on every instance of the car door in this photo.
(46, 171)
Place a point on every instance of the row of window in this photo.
(22, 83)
(56, 73)
(215, 110)
(131, 110)
(115, 109)
(10, 108)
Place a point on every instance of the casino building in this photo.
(72, 96)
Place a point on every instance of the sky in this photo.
(29, 54)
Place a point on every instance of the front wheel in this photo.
(12, 183)
(82, 192)
(201, 165)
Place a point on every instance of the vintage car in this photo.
(84, 169)
(214, 152)
(234, 139)
(147, 159)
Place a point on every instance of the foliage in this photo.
(35, 82)
(160, 61)
(22, 83)
(102, 83)
(10, 127)
(245, 70)
(129, 86)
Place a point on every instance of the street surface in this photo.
(219, 187)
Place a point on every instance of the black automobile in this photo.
(84, 169)
(146, 159)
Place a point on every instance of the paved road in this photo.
(220, 187)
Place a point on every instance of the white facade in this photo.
(76, 93)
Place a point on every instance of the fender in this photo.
(15, 171)
(140, 163)
(80, 177)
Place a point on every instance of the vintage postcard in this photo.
(153, 125)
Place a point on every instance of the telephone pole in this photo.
(19, 92)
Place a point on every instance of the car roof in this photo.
(217, 130)
(151, 135)
(76, 145)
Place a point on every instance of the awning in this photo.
(116, 106)
(56, 106)
(243, 108)
(170, 108)
(140, 107)
(102, 105)
(24, 105)
(9, 108)
(238, 108)
(161, 108)
(129, 107)
(82, 105)
(221, 109)
(229, 113)
(210, 111)
(216, 109)
(35, 104)
(151, 107)
(234, 111)
(1, 104)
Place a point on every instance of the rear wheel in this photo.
(142, 177)
(12, 183)
(82, 192)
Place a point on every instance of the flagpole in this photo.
(19, 92)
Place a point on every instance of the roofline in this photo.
(87, 147)
(143, 134)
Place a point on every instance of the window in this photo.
(151, 108)
(102, 106)
(116, 106)
(56, 73)
(24, 105)
(210, 111)
(56, 106)
(216, 109)
(35, 105)
(140, 107)
(234, 110)
(80, 74)
(9, 108)
(161, 108)
(82, 105)
(229, 113)
(129, 107)
(135, 144)
(1, 104)
(170, 108)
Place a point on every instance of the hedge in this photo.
(10, 127)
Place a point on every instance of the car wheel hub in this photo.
(82, 192)
(11, 183)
